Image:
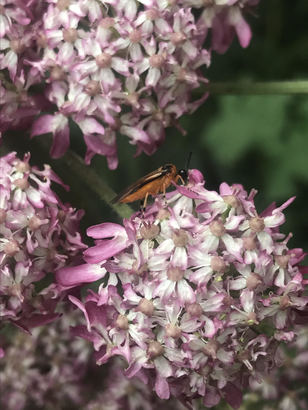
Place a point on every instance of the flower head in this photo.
(121, 67)
(285, 387)
(45, 369)
(38, 235)
(121, 393)
(188, 288)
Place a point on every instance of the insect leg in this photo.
(180, 178)
(164, 194)
(144, 203)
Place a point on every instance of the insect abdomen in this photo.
(152, 188)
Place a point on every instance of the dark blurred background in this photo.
(258, 141)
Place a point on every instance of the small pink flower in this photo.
(106, 248)
(34, 365)
(58, 126)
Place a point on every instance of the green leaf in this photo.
(245, 122)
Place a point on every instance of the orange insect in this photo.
(152, 184)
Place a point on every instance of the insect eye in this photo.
(167, 167)
(183, 174)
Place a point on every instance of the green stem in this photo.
(258, 88)
(96, 183)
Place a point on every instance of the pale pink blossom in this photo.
(183, 302)
(38, 235)
(112, 67)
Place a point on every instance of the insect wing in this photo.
(147, 179)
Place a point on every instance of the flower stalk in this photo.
(257, 88)
(96, 183)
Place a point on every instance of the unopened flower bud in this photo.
(217, 228)
(2, 215)
(256, 224)
(175, 274)
(103, 60)
(155, 349)
(17, 46)
(231, 200)
(146, 307)
(23, 166)
(194, 310)
(63, 4)
(11, 248)
(180, 237)
(70, 35)
(34, 223)
(149, 231)
(135, 36)
(218, 264)
(253, 280)
(173, 331)
(122, 322)
(210, 349)
(249, 243)
(163, 214)
(22, 183)
(177, 38)
(285, 302)
(152, 14)
(107, 22)
(282, 260)
(252, 319)
(57, 73)
(156, 60)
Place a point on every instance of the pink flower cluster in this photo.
(38, 235)
(46, 369)
(111, 66)
(197, 293)
(286, 387)
(121, 393)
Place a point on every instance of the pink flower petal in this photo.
(106, 230)
(232, 395)
(82, 307)
(60, 142)
(75, 275)
(104, 250)
(162, 388)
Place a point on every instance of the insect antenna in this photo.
(183, 172)
(188, 161)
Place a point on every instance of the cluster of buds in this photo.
(45, 369)
(111, 66)
(121, 393)
(38, 235)
(49, 368)
(197, 295)
(285, 388)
